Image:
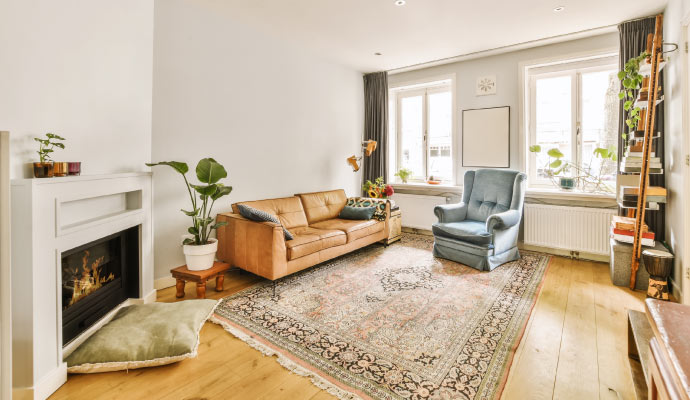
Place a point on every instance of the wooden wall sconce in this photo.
(368, 147)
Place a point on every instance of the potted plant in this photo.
(404, 174)
(631, 79)
(199, 248)
(588, 177)
(44, 168)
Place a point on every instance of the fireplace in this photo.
(96, 278)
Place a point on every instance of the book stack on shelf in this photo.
(623, 230)
(628, 197)
(632, 158)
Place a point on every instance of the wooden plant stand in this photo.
(183, 275)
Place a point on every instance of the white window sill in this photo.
(448, 187)
(552, 193)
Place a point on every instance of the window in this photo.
(573, 107)
(422, 132)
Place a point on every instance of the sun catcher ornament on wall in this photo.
(486, 85)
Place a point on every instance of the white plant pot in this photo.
(200, 257)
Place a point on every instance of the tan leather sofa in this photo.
(312, 218)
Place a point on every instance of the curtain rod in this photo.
(505, 49)
(638, 19)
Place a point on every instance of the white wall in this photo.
(505, 67)
(281, 120)
(675, 136)
(82, 69)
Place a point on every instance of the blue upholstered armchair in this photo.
(482, 231)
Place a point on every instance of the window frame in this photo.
(565, 67)
(425, 88)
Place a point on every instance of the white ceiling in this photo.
(351, 31)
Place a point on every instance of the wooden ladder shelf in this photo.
(650, 116)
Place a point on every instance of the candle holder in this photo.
(60, 169)
(74, 167)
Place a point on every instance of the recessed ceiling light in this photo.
(399, 2)
(377, 54)
(559, 9)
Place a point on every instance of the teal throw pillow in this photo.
(350, 212)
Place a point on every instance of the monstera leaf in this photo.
(176, 165)
(221, 191)
(205, 190)
(209, 171)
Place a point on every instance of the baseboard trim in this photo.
(162, 283)
(418, 231)
(45, 387)
(151, 297)
(582, 255)
(675, 290)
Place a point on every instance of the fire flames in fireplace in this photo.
(87, 279)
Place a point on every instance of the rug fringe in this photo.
(290, 365)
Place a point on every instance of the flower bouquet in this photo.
(377, 189)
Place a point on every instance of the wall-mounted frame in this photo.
(486, 137)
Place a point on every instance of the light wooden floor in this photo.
(574, 347)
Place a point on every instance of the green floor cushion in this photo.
(144, 335)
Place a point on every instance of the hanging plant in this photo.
(631, 79)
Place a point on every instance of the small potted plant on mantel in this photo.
(44, 168)
(198, 247)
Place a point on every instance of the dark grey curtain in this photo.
(633, 41)
(376, 124)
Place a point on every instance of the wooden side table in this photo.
(394, 227)
(183, 275)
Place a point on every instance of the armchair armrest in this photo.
(502, 220)
(257, 247)
(451, 212)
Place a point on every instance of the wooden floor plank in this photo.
(577, 376)
(612, 305)
(534, 367)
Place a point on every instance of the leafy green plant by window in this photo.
(404, 174)
(47, 145)
(209, 173)
(631, 79)
(588, 178)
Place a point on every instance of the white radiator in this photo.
(580, 229)
(418, 210)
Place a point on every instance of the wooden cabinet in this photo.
(669, 351)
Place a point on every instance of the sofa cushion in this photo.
(288, 210)
(308, 240)
(357, 213)
(320, 206)
(353, 229)
(261, 216)
(467, 231)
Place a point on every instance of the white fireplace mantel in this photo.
(50, 216)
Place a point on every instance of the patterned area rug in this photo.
(392, 323)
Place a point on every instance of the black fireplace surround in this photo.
(96, 278)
